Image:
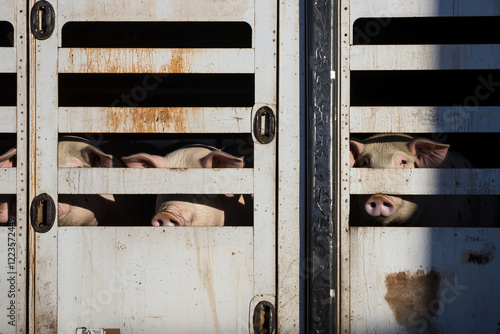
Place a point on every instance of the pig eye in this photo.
(363, 163)
(404, 162)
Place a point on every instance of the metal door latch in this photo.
(42, 213)
(264, 318)
(42, 20)
(264, 125)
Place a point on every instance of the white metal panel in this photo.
(8, 184)
(422, 8)
(425, 119)
(8, 63)
(155, 181)
(152, 10)
(429, 181)
(154, 280)
(7, 14)
(9, 119)
(289, 165)
(155, 120)
(425, 57)
(424, 280)
(156, 60)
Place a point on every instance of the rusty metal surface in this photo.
(155, 120)
(156, 60)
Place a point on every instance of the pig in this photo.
(82, 210)
(193, 210)
(7, 201)
(405, 151)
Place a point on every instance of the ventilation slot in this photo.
(157, 35)
(8, 88)
(426, 30)
(169, 90)
(425, 88)
(6, 34)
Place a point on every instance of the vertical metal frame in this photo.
(22, 164)
(290, 165)
(321, 259)
(14, 181)
(343, 171)
(43, 170)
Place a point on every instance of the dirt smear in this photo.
(412, 295)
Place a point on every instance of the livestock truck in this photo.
(283, 224)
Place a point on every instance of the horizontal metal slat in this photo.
(155, 120)
(425, 119)
(155, 181)
(153, 10)
(8, 63)
(8, 118)
(422, 8)
(97, 60)
(8, 180)
(425, 57)
(425, 181)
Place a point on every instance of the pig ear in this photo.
(8, 159)
(356, 148)
(219, 159)
(97, 158)
(429, 154)
(144, 160)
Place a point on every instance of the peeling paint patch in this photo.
(410, 295)
(482, 257)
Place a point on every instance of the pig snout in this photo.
(380, 205)
(166, 219)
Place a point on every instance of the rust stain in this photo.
(181, 61)
(145, 120)
(132, 60)
(482, 257)
(411, 296)
(205, 272)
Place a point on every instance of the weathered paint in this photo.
(152, 280)
(156, 60)
(423, 280)
(155, 120)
